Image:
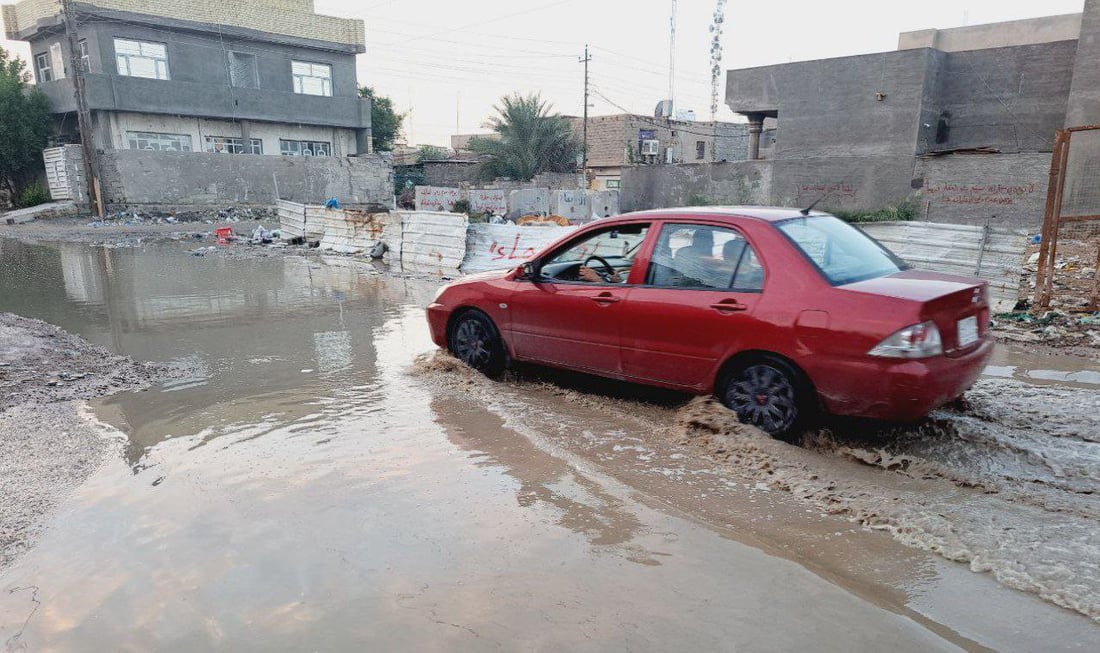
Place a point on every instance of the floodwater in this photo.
(311, 486)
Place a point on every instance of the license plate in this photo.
(968, 331)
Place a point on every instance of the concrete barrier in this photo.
(504, 246)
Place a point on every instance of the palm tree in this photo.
(532, 140)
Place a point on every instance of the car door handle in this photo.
(729, 306)
(605, 298)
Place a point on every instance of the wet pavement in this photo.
(308, 486)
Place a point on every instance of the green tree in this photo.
(385, 121)
(24, 124)
(432, 153)
(532, 140)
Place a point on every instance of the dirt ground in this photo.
(46, 446)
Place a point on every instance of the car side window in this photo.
(704, 257)
(609, 252)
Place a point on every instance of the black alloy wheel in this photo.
(475, 341)
(766, 394)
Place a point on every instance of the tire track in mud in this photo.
(1006, 482)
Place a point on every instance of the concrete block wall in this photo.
(134, 177)
(1012, 99)
(450, 173)
(289, 17)
(742, 182)
(1007, 190)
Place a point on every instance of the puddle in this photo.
(1015, 362)
(300, 489)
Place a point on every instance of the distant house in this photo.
(207, 102)
(263, 77)
(627, 139)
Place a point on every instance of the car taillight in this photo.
(917, 341)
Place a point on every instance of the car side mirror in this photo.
(526, 272)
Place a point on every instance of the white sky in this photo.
(449, 61)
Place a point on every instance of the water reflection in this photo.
(263, 340)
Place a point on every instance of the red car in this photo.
(780, 313)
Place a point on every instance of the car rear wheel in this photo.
(769, 394)
(474, 340)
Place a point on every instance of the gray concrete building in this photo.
(625, 140)
(959, 121)
(266, 77)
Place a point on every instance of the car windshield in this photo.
(842, 253)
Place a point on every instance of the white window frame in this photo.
(43, 67)
(311, 78)
(233, 145)
(147, 52)
(163, 142)
(288, 147)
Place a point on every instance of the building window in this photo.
(57, 61)
(141, 59)
(700, 150)
(229, 145)
(243, 71)
(85, 59)
(45, 70)
(614, 184)
(305, 148)
(312, 78)
(159, 142)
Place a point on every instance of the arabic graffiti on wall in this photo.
(998, 194)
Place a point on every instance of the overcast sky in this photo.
(449, 61)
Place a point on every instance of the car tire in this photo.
(473, 339)
(770, 394)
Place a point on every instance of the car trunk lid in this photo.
(959, 306)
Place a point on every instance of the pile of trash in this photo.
(1050, 328)
(1074, 276)
(133, 217)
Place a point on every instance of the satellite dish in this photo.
(663, 110)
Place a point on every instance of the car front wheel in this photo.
(769, 394)
(474, 340)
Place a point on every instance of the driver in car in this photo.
(588, 274)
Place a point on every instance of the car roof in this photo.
(766, 213)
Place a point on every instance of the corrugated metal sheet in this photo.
(57, 177)
(292, 219)
(351, 232)
(315, 222)
(433, 242)
(995, 255)
(503, 246)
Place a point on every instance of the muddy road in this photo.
(320, 479)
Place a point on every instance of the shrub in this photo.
(33, 195)
(900, 212)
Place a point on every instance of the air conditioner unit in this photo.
(651, 148)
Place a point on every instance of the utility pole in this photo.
(584, 150)
(83, 115)
(672, 64)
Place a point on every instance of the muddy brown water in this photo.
(310, 486)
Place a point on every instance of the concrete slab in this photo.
(42, 211)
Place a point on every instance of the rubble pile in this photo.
(1050, 328)
(210, 216)
(1074, 276)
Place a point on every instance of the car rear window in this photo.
(842, 253)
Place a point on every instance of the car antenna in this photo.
(806, 211)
